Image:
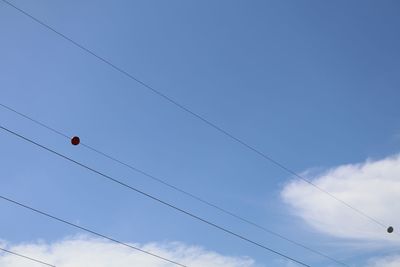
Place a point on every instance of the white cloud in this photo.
(391, 261)
(372, 187)
(84, 251)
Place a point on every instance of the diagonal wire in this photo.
(26, 257)
(194, 114)
(191, 195)
(167, 204)
(87, 230)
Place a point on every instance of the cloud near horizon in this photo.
(83, 251)
(372, 187)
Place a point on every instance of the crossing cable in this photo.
(156, 199)
(196, 115)
(26, 257)
(177, 189)
(87, 230)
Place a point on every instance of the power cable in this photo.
(88, 230)
(119, 182)
(26, 257)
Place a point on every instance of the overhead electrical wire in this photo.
(26, 257)
(88, 230)
(196, 115)
(177, 189)
(156, 199)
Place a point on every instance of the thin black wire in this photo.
(35, 121)
(88, 230)
(198, 116)
(159, 180)
(114, 180)
(26, 257)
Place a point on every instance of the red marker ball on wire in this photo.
(75, 140)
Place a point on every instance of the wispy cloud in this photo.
(390, 261)
(372, 186)
(84, 251)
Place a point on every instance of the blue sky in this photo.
(313, 84)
